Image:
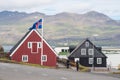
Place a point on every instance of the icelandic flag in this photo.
(37, 25)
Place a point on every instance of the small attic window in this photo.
(87, 44)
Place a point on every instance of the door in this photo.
(77, 59)
(34, 48)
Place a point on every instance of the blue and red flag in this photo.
(37, 25)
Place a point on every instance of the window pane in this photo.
(25, 58)
(87, 44)
(44, 58)
(39, 44)
(29, 45)
(90, 52)
(83, 51)
(62, 50)
(99, 60)
(90, 60)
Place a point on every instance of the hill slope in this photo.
(62, 27)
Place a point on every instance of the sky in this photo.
(52, 7)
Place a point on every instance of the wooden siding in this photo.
(34, 56)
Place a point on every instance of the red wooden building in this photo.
(29, 48)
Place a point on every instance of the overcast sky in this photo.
(51, 7)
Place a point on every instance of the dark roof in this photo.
(77, 51)
(19, 42)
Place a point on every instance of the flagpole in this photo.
(42, 43)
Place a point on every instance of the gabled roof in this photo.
(19, 43)
(77, 51)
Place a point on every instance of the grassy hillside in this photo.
(61, 28)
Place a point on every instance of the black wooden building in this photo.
(88, 55)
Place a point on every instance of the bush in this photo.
(1, 49)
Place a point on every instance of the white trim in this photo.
(46, 43)
(21, 43)
(29, 45)
(90, 51)
(76, 48)
(90, 60)
(83, 51)
(27, 37)
(87, 44)
(39, 44)
(23, 58)
(44, 58)
(99, 60)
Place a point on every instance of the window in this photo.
(90, 61)
(39, 44)
(83, 51)
(24, 58)
(29, 44)
(64, 50)
(44, 58)
(99, 60)
(90, 51)
(87, 44)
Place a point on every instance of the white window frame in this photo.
(23, 58)
(90, 60)
(87, 44)
(29, 44)
(44, 58)
(83, 51)
(91, 51)
(39, 44)
(99, 60)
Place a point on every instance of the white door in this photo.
(76, 59)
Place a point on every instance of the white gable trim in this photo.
(76, 48)
(26, 38)
(46, 42)
(21, 43)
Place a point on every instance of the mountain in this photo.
(61, 28)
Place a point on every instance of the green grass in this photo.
(5, 60)
(63, 53)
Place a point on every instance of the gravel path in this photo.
(22, 72)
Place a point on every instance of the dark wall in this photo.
(84, 61)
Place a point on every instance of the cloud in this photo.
(109, 7)
(22, 4)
